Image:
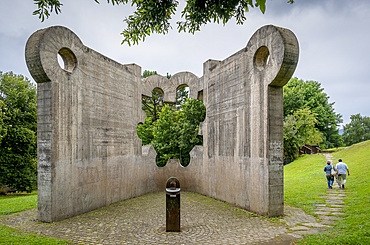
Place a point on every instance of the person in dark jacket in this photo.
(329, 175)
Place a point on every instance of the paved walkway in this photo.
(142, 221)
(333, 208)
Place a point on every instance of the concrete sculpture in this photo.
(89, 154)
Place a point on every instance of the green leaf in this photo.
(18, 132)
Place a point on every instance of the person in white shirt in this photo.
(342, 170)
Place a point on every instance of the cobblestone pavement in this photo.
(141, 220)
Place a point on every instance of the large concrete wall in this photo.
(89, 154)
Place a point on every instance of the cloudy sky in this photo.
(333, 36)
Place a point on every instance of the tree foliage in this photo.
(188, 118)
(175, 131)
(182, 95)
(18, 132)
(172, 128)
(154, 16)
(357, 130)
(299, 94)
(3, 128)
(148, 73)
(299, 129)
(153, 105)
(164, 136)
(145, 131)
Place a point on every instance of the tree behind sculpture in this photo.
(299, 94)
(18, 132)
(172, 129)
(299, 129)
(175, 133)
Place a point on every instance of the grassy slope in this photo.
(304, 181)
(355, 227)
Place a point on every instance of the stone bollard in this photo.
(173, 205)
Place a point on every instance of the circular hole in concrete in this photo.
(66, 59)
(261, 58)
(61, 61)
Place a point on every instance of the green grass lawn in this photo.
(17, 203)
(13, 236)
(305, 181)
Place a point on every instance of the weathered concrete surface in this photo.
(89, 154)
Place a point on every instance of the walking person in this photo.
(342, 170)
(329, 172)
